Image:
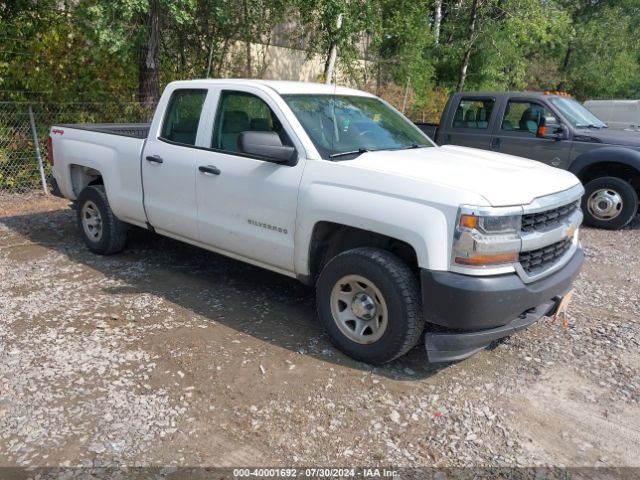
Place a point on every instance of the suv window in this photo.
(473, 113)
(523, 116)
(181, 121)
(240, 112)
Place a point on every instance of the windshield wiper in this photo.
(590, 125)
(365, 150)
(360, 151)
(410, 147)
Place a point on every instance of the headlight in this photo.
(485, 238)
(504, 224)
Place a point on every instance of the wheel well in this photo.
(611, 169)
(329, 239)
(82, 176)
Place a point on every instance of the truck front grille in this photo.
(535, 261)
(548, 219)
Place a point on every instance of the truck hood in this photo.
(503, 180)
(610, 137)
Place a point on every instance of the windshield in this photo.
(575, 113)
(347, 125)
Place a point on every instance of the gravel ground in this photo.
(167, 355)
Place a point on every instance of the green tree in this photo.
(404, 48)
(605, 53)
(50, 51)
(133, 29)
(334, 25)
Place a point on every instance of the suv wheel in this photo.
(369, 302)
(609, 202)
(101, 231)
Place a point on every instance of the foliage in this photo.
(606, 60)
(90, 50)
(49, 50)
(320, 21)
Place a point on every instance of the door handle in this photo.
(209, 169)
(495, 143)
(154, 159)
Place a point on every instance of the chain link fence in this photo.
(22, 122)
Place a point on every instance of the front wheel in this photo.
(101, 231)
(369, 303)
(609, 203)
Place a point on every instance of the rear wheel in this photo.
(369, 302)
(101, 231)
(609, 202)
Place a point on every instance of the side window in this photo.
(183, 115)
(523, 116)
(241, 112)
(473, 113)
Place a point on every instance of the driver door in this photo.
(516, 134)
(247, 205)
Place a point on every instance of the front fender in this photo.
(622, 155)
(422, 226)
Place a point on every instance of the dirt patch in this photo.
(169, 355)
(567, 419)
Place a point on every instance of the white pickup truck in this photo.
(334, 187)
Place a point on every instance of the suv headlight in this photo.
(486, 237)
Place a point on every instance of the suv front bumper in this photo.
(474, 311)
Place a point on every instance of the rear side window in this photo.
(181, 120)
(473, 113)
(241, 112)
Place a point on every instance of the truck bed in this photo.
(135, 130)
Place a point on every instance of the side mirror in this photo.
(266, 145)
(550, 128)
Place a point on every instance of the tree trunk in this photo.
(437, 20)
(462, 77)
(329, 65)
(149, 58)
(225, 50)
(210, 58)
(565, 68)
(223, 56)
(452, 10)
(249, 69)
(262, 69)
(333, 54)
(247, 26)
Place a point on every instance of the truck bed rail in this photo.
(135, 130)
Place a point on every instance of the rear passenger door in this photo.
(516, 133)
(168, 166)
(470, 124)
(246, 204)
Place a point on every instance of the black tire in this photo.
(113, 232)
(401, 295)
(611, 188)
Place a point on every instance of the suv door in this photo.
(168, 166)
(247, 205)
(469, 125)
(516, 133)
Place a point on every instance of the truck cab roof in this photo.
(527, 94)
(281, 87)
